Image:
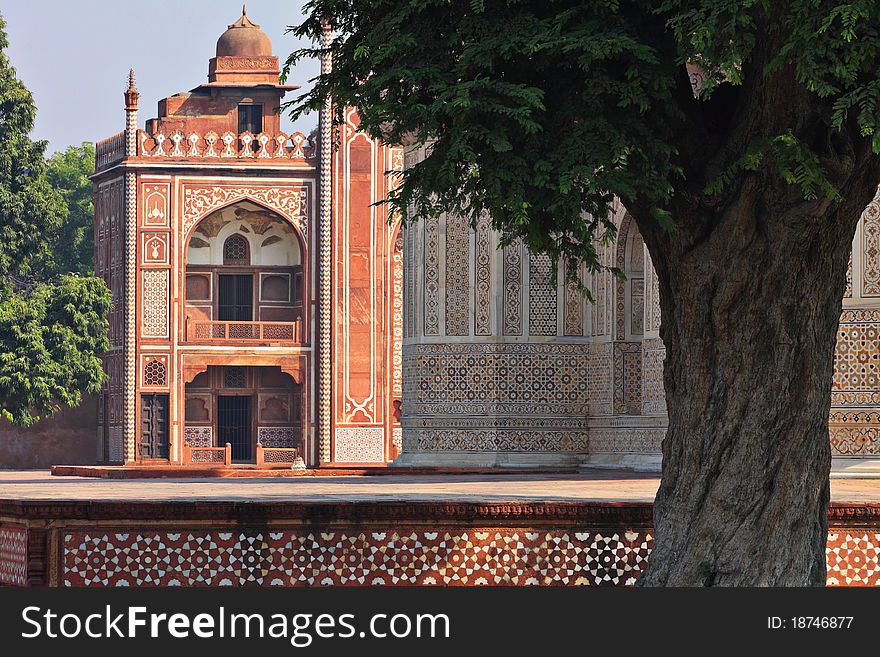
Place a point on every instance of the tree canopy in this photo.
(68, 172)
(542, 112)
(53, 329)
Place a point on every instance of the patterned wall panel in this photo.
(520, 435)
(155, 295)
(199, 436)
(397, 313)
(432, 276)
(277, 437)
(398, 556)
(573, 313)
(154, 371)
(857, 359)
(871, 249)
(507, 380)
(387, 556)
(626, 440)
(359, 445)
(543, 311)
(653, 395)
(637, 306)
(409, 277)
(652, 298)
(483, 278)
(513, 288)
(155, 206)
(628, 378)
(13, 555)
(854, 426)
(458, 303)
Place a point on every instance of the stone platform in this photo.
(592, 528)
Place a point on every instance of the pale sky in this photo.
(74, 56)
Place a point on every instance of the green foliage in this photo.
(52, 329)
(543, 111)
(73, 243)
(50, 346)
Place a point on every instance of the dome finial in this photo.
(244, 10)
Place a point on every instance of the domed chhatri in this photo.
(244, 38)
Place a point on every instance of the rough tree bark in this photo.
(751, 287)
(750, 318)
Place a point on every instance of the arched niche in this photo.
(272, 241)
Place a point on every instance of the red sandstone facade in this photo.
(219, 236)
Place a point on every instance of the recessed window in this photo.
(236, 251)
(250, 119)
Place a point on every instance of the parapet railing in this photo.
(279, 456)
(110, 151)
(207, 455)
(228, 146)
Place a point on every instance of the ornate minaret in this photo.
(325, 264)
(129, 423)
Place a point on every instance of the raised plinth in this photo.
(465, 530)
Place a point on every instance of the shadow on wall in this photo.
(68, 438)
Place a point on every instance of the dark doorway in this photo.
(234, 426)
(154, 427)
(236, 299)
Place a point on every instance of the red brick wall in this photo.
(70, 437)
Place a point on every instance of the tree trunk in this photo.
(751, 302)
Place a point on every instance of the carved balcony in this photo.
(250, 333)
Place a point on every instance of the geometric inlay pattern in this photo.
(278, 437)
(871, 248)
(155, 372)
(359, 445)
(482, 278)
(542, 296)
(155, 303)
(13, 556)
(457, 271)
(513, 283)
(395, 556)
(198, 436)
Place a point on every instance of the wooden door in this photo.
(155, 443)
(236, 298)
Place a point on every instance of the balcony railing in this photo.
(274, 332)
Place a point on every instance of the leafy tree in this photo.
(747, 195)
(73, 243)
(52, 332)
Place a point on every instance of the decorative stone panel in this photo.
(359, 445)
